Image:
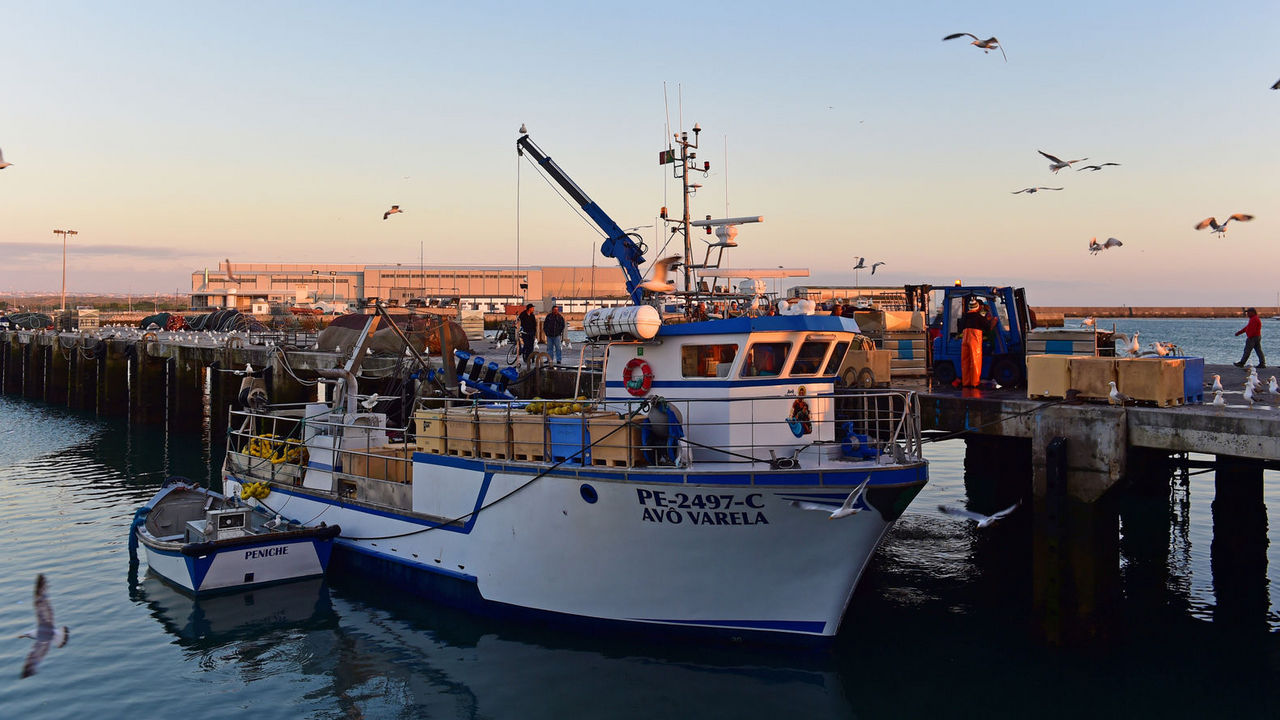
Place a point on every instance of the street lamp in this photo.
(333, 276)
(315, 274)
(64, 234)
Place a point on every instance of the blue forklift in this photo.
(1004, 350)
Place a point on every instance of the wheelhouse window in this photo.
(764, 359)
(707, 360)
(837, 357)
(809, 358)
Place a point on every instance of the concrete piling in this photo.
(186, 390)
(82, 393)
(33, 374)
(58, 377)
(1238, 554)
(113, 378)
(148, 388)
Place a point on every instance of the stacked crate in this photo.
(461, 435)
(493, 430)
(430, 431)
(528, 439)
(907, 352)
(1081, 341)
(617, 441)
(1152, 380)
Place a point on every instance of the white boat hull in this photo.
(238, 567)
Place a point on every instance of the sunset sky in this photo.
(173, 135)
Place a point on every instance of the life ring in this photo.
(638, 386)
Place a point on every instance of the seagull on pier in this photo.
(394, 209)
(874, 266)
(1248, 392)
(982, 520)
(3, 164)
(1134, 346)
(1057, 164)
(1221, 230)
(987, 45)
(1096, 168)
(1217, 399)
(1033, 190)
(45, 634)
(1252, 379)
(1217, 383)
(1088, 322)
(1115, 397)
(846, 509)
(660, 283)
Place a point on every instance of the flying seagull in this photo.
(862, 264)
(874, 266)
(845, 510)
(3, 164)
(1096, 247)
(660, 283)
(1057, 164)
(1221, 229)
(1276, 86)
(1095, 168)
(45, 634)
(982, 520)
(1115, 397)
(394, 209)
(987, 45)
(1032, 190)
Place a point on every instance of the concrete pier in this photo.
(149, 387)
(113, 379)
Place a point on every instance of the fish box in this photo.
(617, 441)
(391, 463)
(430, 433)
(1062, 342)
(528, 441)
(568, 439)
(493, 428)
(460, 432)
(1091, 376)
(1151, 380)
(1192, 378)
(1048, 376)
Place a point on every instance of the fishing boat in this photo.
(203, 541)
(719, 479)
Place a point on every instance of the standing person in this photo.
(528, 331)
(975, 322)
(1252, 338)
(553, 328)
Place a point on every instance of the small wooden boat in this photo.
(202, 541)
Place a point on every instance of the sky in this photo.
(174, 135)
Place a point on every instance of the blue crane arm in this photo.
(618, 245)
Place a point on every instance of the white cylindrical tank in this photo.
(638, 321)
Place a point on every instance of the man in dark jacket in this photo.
(528, 331)
(553, 328)
(1252, 338)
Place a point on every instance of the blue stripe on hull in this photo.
(461, 591)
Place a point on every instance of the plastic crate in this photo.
(568, 439)
(1192, 378)
(1091, 376)
(1151, 380)
(1048, 376)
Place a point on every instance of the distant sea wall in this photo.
(1153, 311)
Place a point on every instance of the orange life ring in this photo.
(638, 386)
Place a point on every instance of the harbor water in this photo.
(941, 624)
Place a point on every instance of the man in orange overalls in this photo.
(975, 322)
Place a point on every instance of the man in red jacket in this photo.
(1252, 338)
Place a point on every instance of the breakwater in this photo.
(1152, 311)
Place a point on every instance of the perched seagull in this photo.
(1248, 392)
(1272, 387)
(370, 401)
(1096, 168)
(1217, 399)
(874, 266)
(394, 209)
(1088, 322)
(1115, 397)
(845, 510)
(1221, 230)
(1032, 190)
(1217, 383)
(1057, 164)
(982, 520)
(1252, 379)
(660, 283)
(987, 45)
(3, 164)
(45, 634)
(1134, 346)
(1160, 348)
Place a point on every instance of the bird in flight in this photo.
(660, 283)
(861, 265)
(1033, 190)
(45, 634)
(1276, 86)
(394, 209)
(876, 265)
(1057, 164)
(1221, 229)
(987, 45)
(1096, 168)
(982, 520)
(3, 164)
(848, 508)
(1096, 247)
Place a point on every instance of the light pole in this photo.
(333, 277)
(315, 275)
(64, 234)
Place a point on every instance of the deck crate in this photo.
(429, 435)
(568, 439)
(617, 441)
(528, 441)
(1192, 378)
(1091, 376)
(460, 432)
(1082, 341)
(1048, 376)
(907, 350)
(392, 463)
(1151, 380)
(493, 428)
